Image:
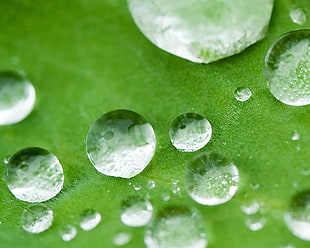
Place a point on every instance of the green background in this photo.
(87, 57)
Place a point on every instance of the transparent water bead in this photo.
(297, 217)
(121, 239)
(251, 207)
(17, 97)
(190, 132)
(211, 179)
(298, 16)
(287, 68)
(34, 175)
(136, 211)
(176, 227)
(121, 143)
(68, 233)
(202, 31)
(242, 94)
(36, 218)
(255, 222)
(295, 135)
(89, 219)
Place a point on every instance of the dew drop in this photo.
(68, 233)
(287, 68)
(297, 218)
(298, 16)
(250, 208)
(89, 219)
(175, 189)
(190, 132)
(151, 184)
(6, 160)
(242, 94)
(176, 227)
(211, 179)
(125, 153)
(295, 135)
(137, 187)
(121, 239)
(165, 196)
(255, 222)
(136, 211)
(36, 218)
(34, 175)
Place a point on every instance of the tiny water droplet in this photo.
(211, 179)
(175, 189)
(89, 219)
(36, 218)
(125, 153)
(6, 160)
(250, 208)
(255, 222)
(255, 185)
(242, 94)
(165, 196)
(137, 187)
(121, 239)
(151, 184)
(136, 211)
(295, 135)
(68, 233)
(34, 175)
(305, 171)
(298, 16)
(190, 132)
(17, 97)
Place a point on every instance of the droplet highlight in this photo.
(242, 94)
(89, 219)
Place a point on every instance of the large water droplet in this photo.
(89, 219)
(34, 175)
(298, 216)
(36, 218)
(298, 16)
(176, 227)
(121, 239)
(68, 233)
(242, 94)
(190, 132)
(202, 31)
(287, 68)
(211, 179)
(136, 211)
(125, 153)
(17, 97)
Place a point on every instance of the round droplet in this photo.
(17, 97)
(34, 175)
(36, 218)
(297, 217)
(89, 219)
(295, 135)
(250, 208)
(176, 227)
(211, 179)
(165, 196)
(298, 16)
(68, 233)
(190, 132)
(287, 68)
(151, 184)
(121, 239)
(242, 94)
(125, 153)
(255, 222)
(136, 211)
(202, 31)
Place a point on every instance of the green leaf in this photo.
(86, 58)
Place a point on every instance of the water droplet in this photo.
(137, 187)
(305, 171)
(176, 227)
(175, 189)
(255, 222)
(34, 175)
(255, 185)
(6, 160)
(287, 68)
(202, 31)
(36, 218)
(165, 196)
(297, 217)
(250, 208)
(89, 219)
(211, 179)
(151, 184)
(298, 16)
(68, 233)
(190, 132)
(121, 239)
(17, 97)
(136, 211)
(242, 94)
(128, 151)
(295, 135)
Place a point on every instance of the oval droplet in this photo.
(68, 233)
(121, 239)
(242, 94)
(89, 219)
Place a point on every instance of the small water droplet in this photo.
(121, 239)
(136, 211)
(211, 179)
(125, 153)
(175, 189)
(305, 171)
(190, 132)
(137, 187)
(36, 218)
(34, 175)
(255, 185)
(68, 233)
(250, 208)
(255, 222)
(17, 97)
(295, 135)
(176, 227)
(89, 219)
(287, 68)
(6, 159)
(165, 196)
(242, 94)
(298, 16)
(151, 184)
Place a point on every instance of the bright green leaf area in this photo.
(87, 57)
